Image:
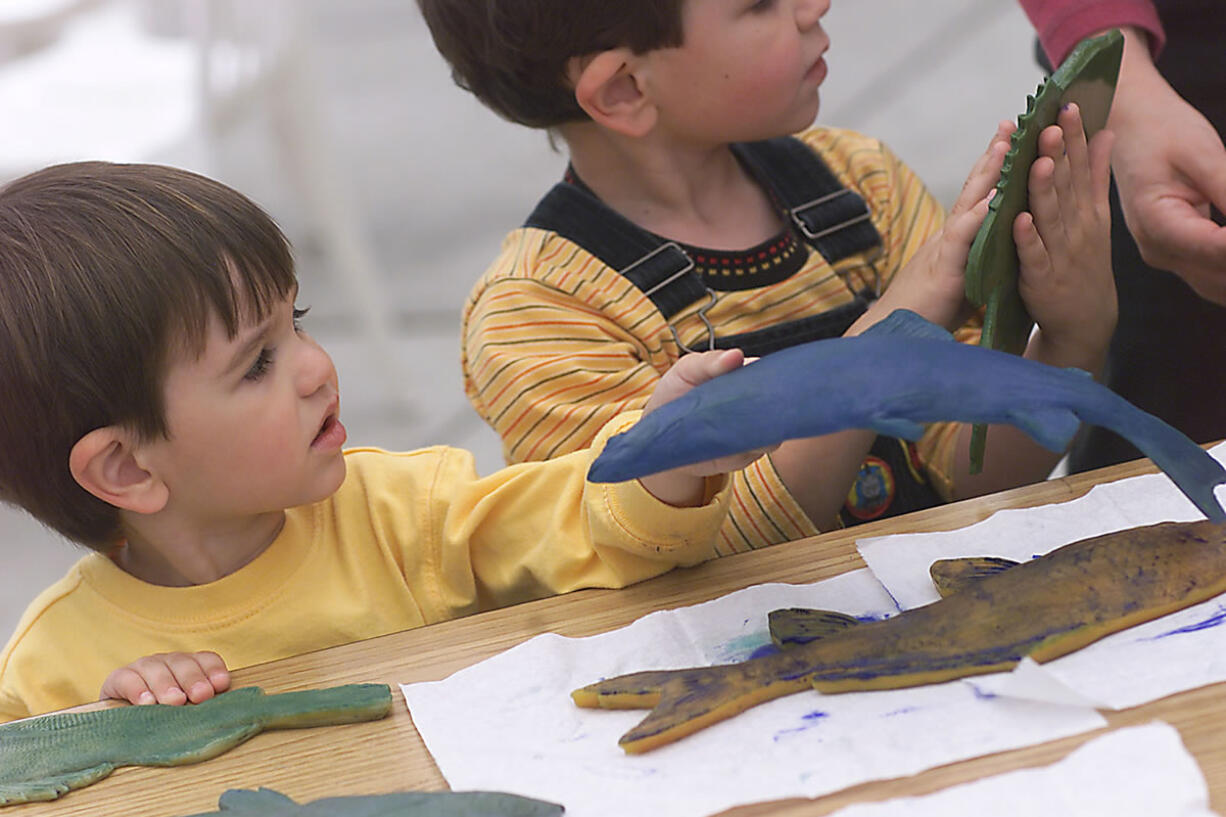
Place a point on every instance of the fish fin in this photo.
(795, 625)
(253, 801)
(51, 788)
(954, 575)
(1051, 428)
(896, 427)
(907, 324)
(1193, 470)
(685, 700)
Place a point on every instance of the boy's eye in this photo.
(299, 314)
(762, 5)
(261, 365)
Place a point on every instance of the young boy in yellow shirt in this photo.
(165, 408)
(689, 219)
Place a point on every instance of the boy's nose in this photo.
(315, 368)
(809, 12)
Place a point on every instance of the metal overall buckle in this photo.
(797, 212)
(702, 315)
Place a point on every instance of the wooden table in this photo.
(388, 755)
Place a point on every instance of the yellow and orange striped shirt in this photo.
(556, 342)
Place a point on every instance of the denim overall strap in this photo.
(834, 219)
(660, 269)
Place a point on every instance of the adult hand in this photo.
(1170, 166)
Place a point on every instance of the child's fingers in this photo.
(191, 676)
(1074, 137)
(160, 679)
(168, 678)
(126, 684)
(693, 370)
(959, 233)
(985, 173)
(1045, 203)
(215, 670)
(1033, 260)
(1052, 148)
(700, 367)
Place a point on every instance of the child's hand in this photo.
(168, 678)
(1064, 245)
(933, 282)
(684, 486)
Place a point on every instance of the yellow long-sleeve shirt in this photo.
(409, 539)
(556, 341)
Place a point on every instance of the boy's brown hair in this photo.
(108, 273)
(513, 54)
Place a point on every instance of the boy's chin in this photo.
(330, 480)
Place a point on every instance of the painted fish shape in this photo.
(269, 803)
(901, 373)
(993, 618)
(42, 758)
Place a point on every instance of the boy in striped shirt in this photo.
(689, 219)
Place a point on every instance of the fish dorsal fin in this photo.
(953, 575)
(793, 626)
(904, 323)
(253, 801)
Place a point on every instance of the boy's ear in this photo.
(105, 463)
(607, 88)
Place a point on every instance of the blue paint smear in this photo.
(983, 694)
(764, 650)
(738, 649)
(897, 606)
(903, 711)
(1214, 620)
(811, 719)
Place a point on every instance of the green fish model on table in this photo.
(42, 758)
(269, 803)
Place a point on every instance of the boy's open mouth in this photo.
(331, 433)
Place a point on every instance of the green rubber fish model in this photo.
(269, 803)
(992, 614)
(1087, 77)
(45, 757)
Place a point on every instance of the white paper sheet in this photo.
(1140, 771)
(1181, 651)
(508, 723)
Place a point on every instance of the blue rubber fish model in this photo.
(898, 375)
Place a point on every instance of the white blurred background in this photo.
(395, 186)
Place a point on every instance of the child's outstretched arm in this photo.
(1065, 280)
(685, 487)
(168, 678)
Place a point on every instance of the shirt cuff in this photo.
(1061, 24)
(650, 522)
